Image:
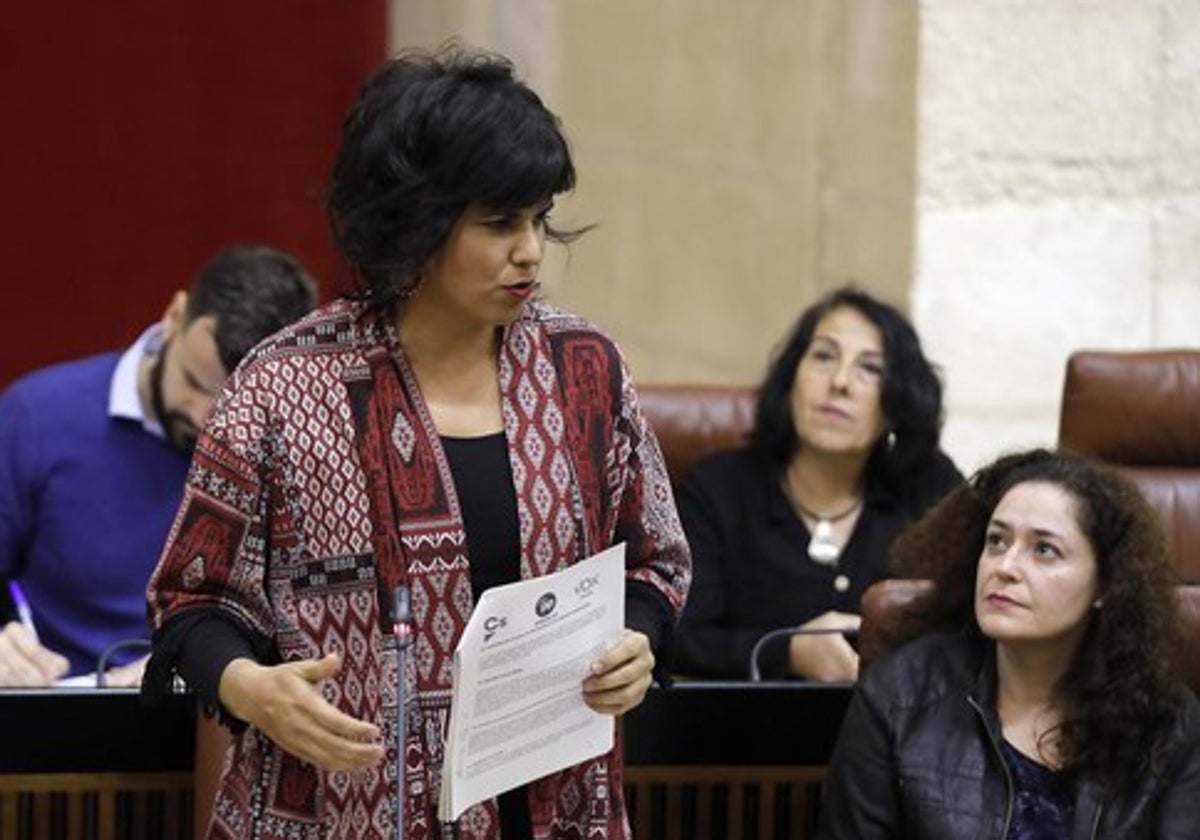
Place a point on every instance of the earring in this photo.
(891, 441)
(412, 288)
(1098, 603)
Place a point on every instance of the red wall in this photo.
(140, 136)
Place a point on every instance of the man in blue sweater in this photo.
(93, 455)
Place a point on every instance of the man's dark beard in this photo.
(178, 428)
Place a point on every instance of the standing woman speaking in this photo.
(442, 429)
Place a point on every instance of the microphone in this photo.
(403, 631)
(110, 651)
(402, 628)
(781, 632)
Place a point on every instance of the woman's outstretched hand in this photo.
(285, 702)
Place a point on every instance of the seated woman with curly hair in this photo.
(1047, 705)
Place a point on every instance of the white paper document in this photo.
(518, 713)
(80, 681)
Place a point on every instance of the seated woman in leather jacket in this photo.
(1049, 704)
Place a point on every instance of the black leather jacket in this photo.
(918, 757)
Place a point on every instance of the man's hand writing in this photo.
(24, 662)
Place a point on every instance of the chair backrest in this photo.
(1140, 410)
(885, 605)
(692, 421)
(1189, 612)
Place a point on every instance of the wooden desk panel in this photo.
(93, 764)
(702, 760)
(91, 730)
(732, 723)
(730, 760)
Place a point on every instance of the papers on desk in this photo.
(78, 681)
(518, 713)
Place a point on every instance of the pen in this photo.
(23, 611)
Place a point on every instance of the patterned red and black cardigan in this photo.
(319, 484)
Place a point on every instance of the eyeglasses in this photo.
(826, 360)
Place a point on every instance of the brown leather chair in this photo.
(1189, 613)
(1140, 410)
(884, 606)
(692, 421)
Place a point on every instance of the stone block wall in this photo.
(738, 158)
(1022, 176)
(1057, 199)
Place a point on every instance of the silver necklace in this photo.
(822, 547)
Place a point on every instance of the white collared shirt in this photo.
(123, 398)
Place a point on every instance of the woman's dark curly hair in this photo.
(428, 134)
(911, 394)
(1122, 688)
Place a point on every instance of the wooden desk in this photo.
(92, 730)
(762, 724)
(698, 755)
(93, 763)
(732, 760)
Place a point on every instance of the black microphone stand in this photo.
(778, 633)
(402, 628)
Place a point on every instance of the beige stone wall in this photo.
(1023, 175)
(1058, 199)
(737, 157)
